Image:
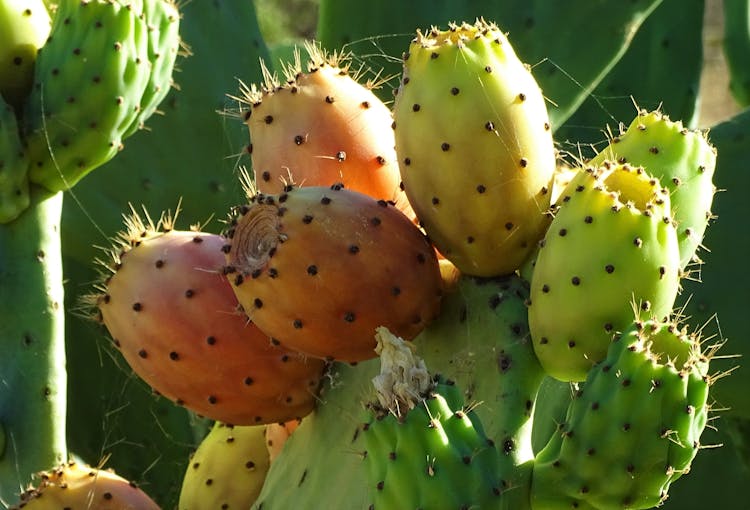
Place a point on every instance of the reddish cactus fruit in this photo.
(173, 316)
(320, 126)
(74, 486)
(320, 268)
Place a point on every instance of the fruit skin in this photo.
(633, 428)
(79, 113)
(227, 470)
(77, 486)
(320, 268)
(425, 449)
(14, 165)
(684, 162)
(24, 27)
(172, 314)
(475, 147)
(611, 247)
(320, 126)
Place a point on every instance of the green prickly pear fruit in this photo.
(14, 164)
(320, 268)
(634, 426)
(683, 160)
(475, 147)
(321, 126)
(163, 48)
(24, 27)
(172, 314)
(424, 448)
(77, 486)
(611, 247)
(227, 470)
(90, 83)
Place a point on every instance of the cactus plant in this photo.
(194, 151)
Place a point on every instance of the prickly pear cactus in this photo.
(79, 113)
(423, 438)
(475, 147)
(227, 470)
(611, 248)
(634, 426)
(74, 485)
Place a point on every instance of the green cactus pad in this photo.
(481, 341)
(683, 160)
(633, 428)
(89, 82)
(611, 250)
(14, 164)
(475, 147)
(424, 449)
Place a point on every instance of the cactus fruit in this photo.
(633, 428)
(24, 27)
(227, 470)
(475, 147)
(683, 160)
(424, 448)
(173, 316)
(321, 126)
(77, 486)
(277, 435)
(319, 268)
(78, 114)
(14, 165)
(611, 247)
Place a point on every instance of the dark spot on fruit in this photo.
(489, 126)
(174, 356)
(211, 340)
(365, 104)
(455, 91)
(299, 140)
(481, 188)
(523, 162)
(575, 280)
(137, 307)
(407, 161)
(312, 270)
(435, 200)
(638, 242)
(571, 343)
(268, 119)
(396, 291)
(470, 239)
(258, 303)
(325, 200)
(545, 288)
(353, 249)
(380, 160)
(307, 219)
(143, 354)
(522, 97)
(248, 381)
(445, 146)
(509, 226)
(266, 176)
(273, 272)
(189, 293)
(349, 317)
(212, 399)
(297, 324)
(421, 258)
(609, 268)
(415, 107)
(563, 232)
(375, 221)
